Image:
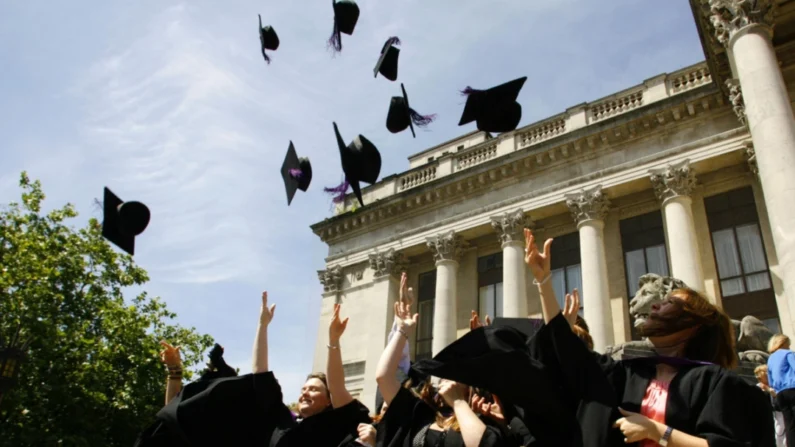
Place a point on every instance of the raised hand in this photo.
(538, 262)
(452, 391)
(571, 307)
(474, 321)
(337, 327)
(170, 355)
(491, 410)
(403, 317)
(406, 292)
(366, 434)
(265, 312)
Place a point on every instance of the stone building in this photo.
(689, 174)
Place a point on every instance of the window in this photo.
(490, 285)
(460, 148)
(426, 295)
(643, 241)
(430, 159)
(566, 270)
(740, 257)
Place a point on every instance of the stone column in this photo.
(331, 280)
(746, 28)
(673, 186)
(510, 230)
(385, 291)
(446, 248)
(589, 209)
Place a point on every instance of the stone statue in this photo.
(752, 334)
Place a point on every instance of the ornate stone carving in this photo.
(388, 262)
(510, 226)
(750, 155)
(446, 246)
(730, 16)
(331, 279)
(736, 98)
(673, 181)
(589, 204)
(752, 335)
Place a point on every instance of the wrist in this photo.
(658, 431)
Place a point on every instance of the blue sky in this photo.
(171, 103)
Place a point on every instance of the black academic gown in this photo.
(407, 415)
(247, 410)
(704, 400)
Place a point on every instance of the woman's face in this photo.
(666, 318)
(314, 398)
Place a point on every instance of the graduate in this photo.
(435, 415)
(686, 396)
(249, 410)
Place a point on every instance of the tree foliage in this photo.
(92, 376)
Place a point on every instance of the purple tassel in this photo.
(296, 174)
(392, 41)
(294, 415)
(421, 120)
(335, 41)
(469, 90)
(338, 191)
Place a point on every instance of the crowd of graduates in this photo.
(498, 385)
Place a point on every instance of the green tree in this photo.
(93, 376)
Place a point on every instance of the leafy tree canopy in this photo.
(92, 376)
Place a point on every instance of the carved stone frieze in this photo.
(673, 181)
(589, 204)
(389, 262)
(736, 98)
(331, 279)
(446, 246)
(510, 226)
(730, 16)
(750, 156)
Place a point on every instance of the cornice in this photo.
(551, 154)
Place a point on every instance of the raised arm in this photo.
(472, 428)
(260, 363)
(539, 264)
(170, 357)
(386, 372)
(335, 374)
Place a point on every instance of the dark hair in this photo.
(714, 340)
(582, 324)
(428, 394)
(583, 334)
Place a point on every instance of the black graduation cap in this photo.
(123, 221)
(388, 62)
(361, 162)
(401, 115)
(495, 109)
(346, 14)
(296, 173)
(268, 39)
(527, 326)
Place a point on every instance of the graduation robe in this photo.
(247, 410)
(407, 415)
(704, 400)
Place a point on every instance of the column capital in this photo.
(736, 98)
(674, 180)
(728, 17)
(331, 279)
(510, 226)
(750, 157)
(588, 204)
(387, 263)
(446, 246)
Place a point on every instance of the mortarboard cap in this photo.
(296, 173)
(387, 64)
(268, 39)
(401, 115)
(495, 109)
(361, 162)
(123, 221)
(346, 14)
(527, 326)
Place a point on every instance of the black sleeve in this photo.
(404, 414)
(492, 437)
(736, 414)
(268, 398)
(560, 350)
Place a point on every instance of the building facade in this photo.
(689, 174)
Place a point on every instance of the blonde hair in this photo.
(778, 341)
(760, 372)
